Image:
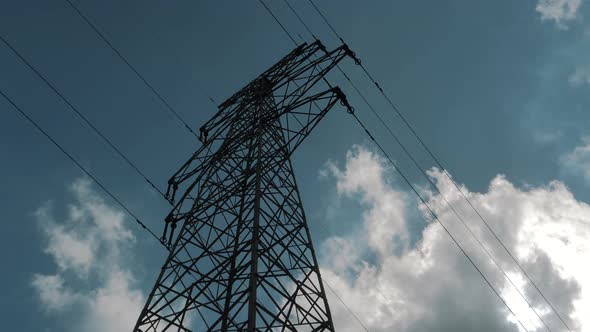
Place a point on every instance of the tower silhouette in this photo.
(243, 259)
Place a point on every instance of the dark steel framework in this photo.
(243, 259)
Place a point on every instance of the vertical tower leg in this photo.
(243, 259)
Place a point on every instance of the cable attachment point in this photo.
(321, 45)
(351, 54)
(203, 133)
(343, 100)
(170, 220)
(165, 232)
(174, 188)
(169, 196)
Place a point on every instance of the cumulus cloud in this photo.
(577, 161)
(558, 11)
(429, 285)
(580, 76)
(52, 292)
(386, 215)
(92, 288)
(391, 282)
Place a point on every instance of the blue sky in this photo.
(498, 90)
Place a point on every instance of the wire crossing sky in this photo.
(394, 136)
(439, 164)
(497, 90)
(79, 166)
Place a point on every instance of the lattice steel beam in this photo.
(243, 259)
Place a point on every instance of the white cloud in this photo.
(431, 286)
(391, 283)
(577, 161)
(559, 11)
(386, 216)
(115, 305)
(52, 293)
(580, 76)
(92, 289)
(70, 249)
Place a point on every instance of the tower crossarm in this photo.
(242, 258)
(300, 104)
(296, 122)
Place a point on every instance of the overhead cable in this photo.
(446, 173)
(294, 42)
(90, 175)
(141, 77)
(417, 165)
(75, 110)
(435, 217)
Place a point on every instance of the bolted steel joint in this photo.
(343, 100)
(351, 54)
(203, 133)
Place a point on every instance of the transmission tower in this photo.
(243, 259)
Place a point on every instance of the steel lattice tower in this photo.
(243, 259)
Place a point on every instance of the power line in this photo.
(291, 37)
(415, 163)
(103, 187)
(326, 20)
(405, 179)
(455, 184)
(431, 182)
(278, 22)
(294, 42)
(73, 108)
(300, 19)
(435, 216)
(346, 306)
(158, 95)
